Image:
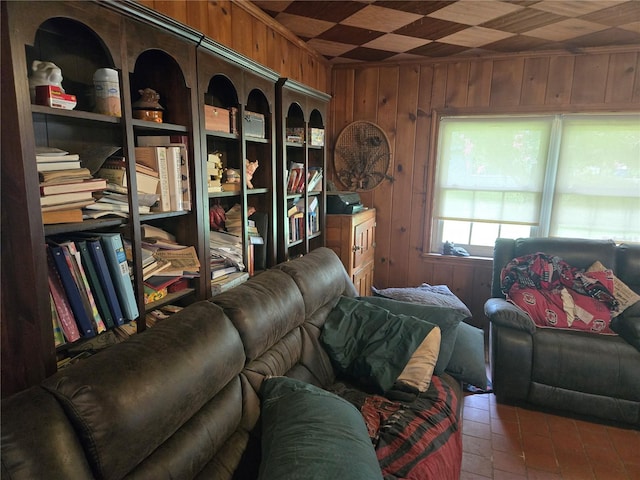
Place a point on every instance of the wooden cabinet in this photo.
(353, 239)
(192, 74)
(301, 157)
(81, 37)
(243, 93)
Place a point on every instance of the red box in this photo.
(52, 96)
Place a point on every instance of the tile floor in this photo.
(506, 442)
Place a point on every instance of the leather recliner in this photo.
(573, 371)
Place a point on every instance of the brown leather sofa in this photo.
(180, 400)
(580, 372)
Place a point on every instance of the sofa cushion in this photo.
(416, 375)
(624, 295)
(425, 294)
(446, 318)
(370, 344)
(467, 362)
(627, 325)
(309, 433)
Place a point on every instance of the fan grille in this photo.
(361, 156)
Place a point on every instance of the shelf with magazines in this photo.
(65, 132)
(301, 160)
(236, 121)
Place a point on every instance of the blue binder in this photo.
(104, 276)
(73, 293)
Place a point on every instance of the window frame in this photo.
(437, 114)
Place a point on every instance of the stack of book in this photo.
(65, 186)
(114, 200)
(89, 284)
(167, 265)
(298, 179)
(214, 172)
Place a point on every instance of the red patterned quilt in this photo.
(555, 294)
(419, 439)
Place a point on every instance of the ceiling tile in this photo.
(430, 28)
(518, 43)
(272, 5)
(304, 27)
(474, 12)
(616, 15)
(396, 43)
(347, 34)
(331, 11)
(380, 19)
(329, 49)
(523, 20)
(368, 54)
(475, 37)
(566, 29)
(437, 49)
(610, 36)
(574, 8)
(421, 8)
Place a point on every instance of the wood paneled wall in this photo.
(402, 99)
(245, 28)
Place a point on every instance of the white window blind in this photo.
(556, 175)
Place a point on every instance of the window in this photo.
(542, 175)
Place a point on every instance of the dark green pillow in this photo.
(369, 344)
(446, 318)
(309, 433)
(467, 362)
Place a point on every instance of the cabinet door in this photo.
(363, 242)
(363, 279)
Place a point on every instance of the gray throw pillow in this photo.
(467, 362)
(425, 294)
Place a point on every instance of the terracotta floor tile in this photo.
(537, 444)
(573, 459)
(534, 474)
(477, 446)
(626, 443)
(541, 461)
(500, 475)
(559, 424)
(472, 476)
(476, 429)
(503, 412)
(532, 424)
(477, 414)
(509, 462)
(568, 439)
(477, 464)
(604, 473)
(506, 443)
(505, 427)
(477, 401)
(633, 470)
(583, 473)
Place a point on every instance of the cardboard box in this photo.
(295, 134)
(52, 96)
(253, 125)
(317, 137)
(217, 119)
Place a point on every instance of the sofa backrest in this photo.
(624, 259)
(181, 399)
(164, 404)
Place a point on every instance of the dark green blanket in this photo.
(370, 344)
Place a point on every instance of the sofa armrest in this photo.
(506, 314)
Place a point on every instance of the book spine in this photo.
(117, 261)
(73, 294)
(174, 171)
(75, 263)
(94, 284)
(185, 178)
(67, 322)
(102, 269)
(58, 336)
(163, 174)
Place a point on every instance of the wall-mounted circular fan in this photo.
(361, 156)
